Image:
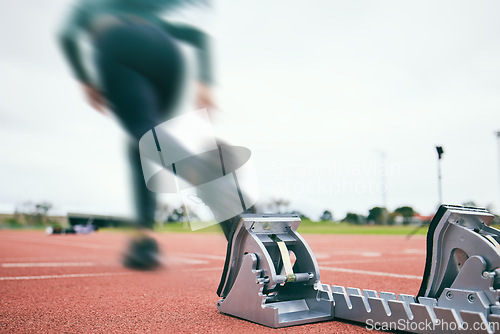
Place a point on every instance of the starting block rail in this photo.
(405, 313)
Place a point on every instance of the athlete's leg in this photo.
(229, 225)
(142, 81)
(141, 72)
(144, 199)
(135, 102)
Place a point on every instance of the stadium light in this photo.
(440, 152)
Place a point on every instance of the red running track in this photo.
(75, 283)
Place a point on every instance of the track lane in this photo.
(180, 297)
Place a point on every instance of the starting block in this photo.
(261, 281)
(460, 289)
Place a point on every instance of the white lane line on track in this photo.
(176, 259)
(202, 269)
(49, 258)
(372, 273)
(320, 256)
(203, 256)
(47, 264)
(52, 241)
(414, 251)
(365, 253)
(168, 260)
(398, 259)
(20, 278)
(371, 254)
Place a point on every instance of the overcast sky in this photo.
(320, 91)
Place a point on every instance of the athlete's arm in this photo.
(198, 39)
(94, 97)
(204, 96)
(68, 40)
(201, 41)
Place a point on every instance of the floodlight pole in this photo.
(384, 180)
(383, 176)
(440, 152)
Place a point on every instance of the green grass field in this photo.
(306, 227)
(309, 227)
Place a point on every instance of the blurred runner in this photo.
(140, 74)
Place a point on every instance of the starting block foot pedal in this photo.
(261, 284)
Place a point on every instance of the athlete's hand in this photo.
(204, 96)
(94, 98)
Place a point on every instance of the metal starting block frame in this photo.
(260, 282)
(459, 293)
